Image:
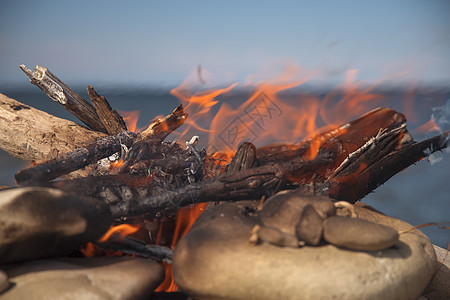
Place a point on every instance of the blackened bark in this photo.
(112, 121)
(75, 160)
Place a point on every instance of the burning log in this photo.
(372, 171)
(57, 90)
(321, 175)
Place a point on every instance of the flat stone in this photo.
(83, 278)
(215, 261)
(439, 286)
(37, 222)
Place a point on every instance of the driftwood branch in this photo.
(33, 135)
(159, 129)
(75, 160)
(112, 121)
(61, 93)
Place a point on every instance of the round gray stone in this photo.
(215, 261)
(37, 222)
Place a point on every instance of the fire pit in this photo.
(290, 200)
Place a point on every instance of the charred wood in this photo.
(134, 246)
(354, 186)
(149, 147)
(247, 184)
(75, 160)
(267, 179)
(112, 121)
(342, 140)
(244, 159)
(58, 91)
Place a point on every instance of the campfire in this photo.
(105, 191)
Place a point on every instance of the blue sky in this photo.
(160, 42)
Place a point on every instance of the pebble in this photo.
(309, 228)
(276, 237)
(283, 210)
(358, 234)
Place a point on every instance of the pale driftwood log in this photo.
(33, 135)
(112, 121)
(64, 95)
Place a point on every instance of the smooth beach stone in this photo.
(37, 222)
(283, 210)
(309, 229)
(84, 278)
(216, 261)
(4, 282)
(358, 234)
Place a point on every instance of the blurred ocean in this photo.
(419, 194)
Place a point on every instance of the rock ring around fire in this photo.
(215, 260)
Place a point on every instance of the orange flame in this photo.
(264, 118)
(91, 250)
(122, 230)
(184, 221)
(131, 118)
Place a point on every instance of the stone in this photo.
(4, 282)
(283, 210)
(309, 228)
(358, 234)
(276, 237)
(37, 222)
(84, 278)
(215, 261)
(439, 286)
